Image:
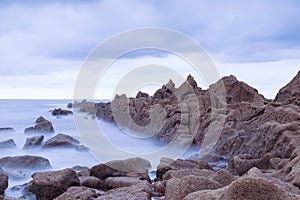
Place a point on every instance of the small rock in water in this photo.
(8, 144)
(61, 140)
(42, 126)
(7, 129)
(25, 162)
(60, 111)
(33, 142)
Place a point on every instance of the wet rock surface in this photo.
(42, 126)
(33, 142)
(59, 111)
(61, 140)
(24, 162)
(8, 144)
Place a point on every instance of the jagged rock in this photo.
(7, 129)
(3, 182)
(33, 142)
(291, 90)
(49, 185)
(25, 162)
(42, 126)
(142, 95)
(60, 111)
(61, 140)
(140, 191)
(77, 192)
(8, 144)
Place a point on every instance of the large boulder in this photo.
(33, 142)
(8, 144)
(117, 182)
(61, 140)
(139, 191)
(49, 185)
(24, 162)
(3, 181)
(42, 126)
(77, 192)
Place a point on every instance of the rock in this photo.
(140, 191)
(61, 140)
(3, 182)
(186, 172)
(223, 177)
(117, 182)
(102, 171)
(42, 126)
(136, 164)
(291, 90)
(25, 162)
(70, 105)
(142, 95)
(6, 129)
(60, 111)
(167, 164)
(8, 144)
(79, 168)
(188, 184)
(92, 182)
(77, 192)
(33, 142)
(49, 185)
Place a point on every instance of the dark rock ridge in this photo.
(59, 111)
(42, 126)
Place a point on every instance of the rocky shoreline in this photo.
(260, 140)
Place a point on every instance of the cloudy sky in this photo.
(43, 44)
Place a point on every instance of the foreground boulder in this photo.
(61, 140)
(139, 191)
(33, 142)
(25, 162)
(42, 126)
(8, 144)
(59, 111)
(3, 181)
(77, 192)
(49, 185)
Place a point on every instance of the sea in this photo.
(20, 114)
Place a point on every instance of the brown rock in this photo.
(49, 185)
(92, 182)
(42, 126)
(117, 182)
(3, 182)
(290, 90)
(60, 111)
(33, 142)
(25, 162)
(77, 192)
(61, 140)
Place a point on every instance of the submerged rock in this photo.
(60, 111)
(49, 185)
(7, 129)
(42, 126)
(8, 144)
(25, 162)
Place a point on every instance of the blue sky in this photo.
(43, 43)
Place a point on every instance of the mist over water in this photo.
(20, 114)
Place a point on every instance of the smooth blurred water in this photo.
(20, 114)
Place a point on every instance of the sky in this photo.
(43, 44)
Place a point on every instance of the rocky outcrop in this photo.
(33, 142)
(59, 111)
(61, 140)
(8, 144)
(42, 126)
(3, 181)
(290, 92)
(49, 185)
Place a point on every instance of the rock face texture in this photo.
(42, 126)
(3, 181)
(25, 162)
(256, 134)
(61, 140)
(33, 142)
(49, 185)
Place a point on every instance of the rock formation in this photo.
(42, 126)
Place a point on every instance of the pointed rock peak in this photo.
(190, 79)
(291, 90)
(170, 84)
(230, 78)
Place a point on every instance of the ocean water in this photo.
(20, 114)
